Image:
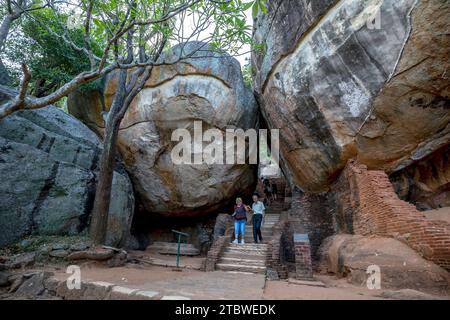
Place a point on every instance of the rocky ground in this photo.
(166, 283)
(149, 275)
(439, 214)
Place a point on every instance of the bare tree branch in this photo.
(19, 102)
(87, 34)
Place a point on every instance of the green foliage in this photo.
(247, 74)
(258, 5)
(59, 62)
(52, 62)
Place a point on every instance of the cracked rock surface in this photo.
(207, 89)
(48, 165)
(340, 88)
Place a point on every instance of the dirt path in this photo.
(189, 283)
(335, 290)
(220, 285)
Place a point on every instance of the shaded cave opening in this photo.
(148, 227)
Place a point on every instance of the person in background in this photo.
(240, 219)
(274, 191)
(258, 217)
(260, 189)
(268, 191)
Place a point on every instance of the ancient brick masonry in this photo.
(303, 263)
(275, 256)
(215, 251)
(378, 210)
(312, 214)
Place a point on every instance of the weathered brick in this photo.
(373, 208)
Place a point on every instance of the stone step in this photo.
(267, 233)
(264, 231)
(248, 246)
(246, 250)
(186, 249)
(240, 268)
(244, 256)
(249, 239)
(250, 233)
(266, 225)
(244, 253)
(247, 262)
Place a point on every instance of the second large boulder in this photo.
(207, 87)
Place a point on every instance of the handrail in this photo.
(179, 235)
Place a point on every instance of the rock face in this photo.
(426, 183)
(400, 266)
(48, 165)
(208, 89)
(4, 76)
(340, 86)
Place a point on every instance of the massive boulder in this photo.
(365, 79)
(48, 167)
(426, 183)
(207, 87)
(4, 76)
(400, 266)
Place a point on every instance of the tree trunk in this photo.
(99, 220)
(5, 26)
(103, 191)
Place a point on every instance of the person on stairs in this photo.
(240, 219)
(268, 191)
(274, 191)
(258, 217)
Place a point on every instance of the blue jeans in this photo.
(257, 220)
(239, 227)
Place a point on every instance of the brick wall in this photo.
(368, 205)
(215, 251)
(275, 256)
(303, 262)
(223, 230)
(312, 214)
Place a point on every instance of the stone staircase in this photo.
(251, 257)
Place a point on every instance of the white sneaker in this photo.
(235, 241)
(242, 241)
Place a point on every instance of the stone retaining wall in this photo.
(215, 251)
(376, 210)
